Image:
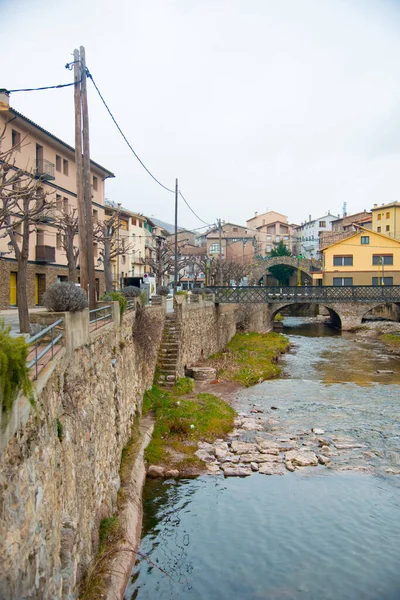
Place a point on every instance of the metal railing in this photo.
(131, 305)
(44, 169)
(271, 294)
(95, 315)
(36, 339)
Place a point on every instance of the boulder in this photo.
(323, 460)
(205, 456)
(270, 469)
(349, 446)
(154, 471)
(318, 431)
(236, 471)
(243, 447)
(258, 457)
(302, 458)
(254, 466)
(172, 473)
(290, 466)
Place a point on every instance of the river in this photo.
(318, 533)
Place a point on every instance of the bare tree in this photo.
(66, 222)
(106, 233)
(23, 206)
(162, 261)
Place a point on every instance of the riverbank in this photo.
(387, 332)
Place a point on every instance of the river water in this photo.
(318, 533)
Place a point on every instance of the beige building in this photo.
(52, 161)
(237, 243)
(269, 229)
(344, 227)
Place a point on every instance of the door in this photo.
(36, 289)
(13, 289)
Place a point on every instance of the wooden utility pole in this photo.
(79, 181)
(176, 238)
(87, 188)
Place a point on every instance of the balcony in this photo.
(45, 254)
(44, 169)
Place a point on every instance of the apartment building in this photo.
(48, 159)
(269, 229)
(237, 243)
(364, 258)
(344, 227)
(307, 235)
(386, 219)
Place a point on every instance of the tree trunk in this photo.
(107, 265)
(22, 298)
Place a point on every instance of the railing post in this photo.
(36, 361)
(52, 343)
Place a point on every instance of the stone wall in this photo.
(59, 472)
(50, 273)
(206, 328)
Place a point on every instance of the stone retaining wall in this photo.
(59, 473)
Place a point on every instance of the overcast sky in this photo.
(287, 105)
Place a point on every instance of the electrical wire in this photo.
(125, 138)
(48, 87)
(188, 205)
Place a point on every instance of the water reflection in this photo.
(305, 535)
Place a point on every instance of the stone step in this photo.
(168, 371)
(169, 345)
(168, 360)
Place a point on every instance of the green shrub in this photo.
(14, 374)
(65, 296)
(116, 297)
(162, 290)
(131, 291)
(182, 293)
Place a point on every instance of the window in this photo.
(387, 227)
(16, 139)
(133, 221)
(379, 216)
(322, 223)
(268, 249)
(59, 202)
(40, 237)
(95, 183)
(234, 229)
(95, 216)
(214, 249)
(59, 240)
(58, 163)
(268, 237)
(65, 166)
(95, 250)
(386, 281)
(140, 223)
(340, 281)
(378, 229)
(365, 239)
(277, 238)
(388, 215)
(123, 259)
(384, 259)
(65, 205)
(342, 261)
(124, 225)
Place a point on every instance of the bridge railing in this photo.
(271, 294)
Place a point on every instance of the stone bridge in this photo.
(306, 265)
(347, 305)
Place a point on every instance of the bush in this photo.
(14, 374)
(65, 297)
(162, 290)
(197, 291)
(131, 291)
(116, 297)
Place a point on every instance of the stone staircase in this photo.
(168, 354)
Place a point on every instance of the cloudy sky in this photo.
(287, 105)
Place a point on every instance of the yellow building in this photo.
(365, 258)
(386, 219)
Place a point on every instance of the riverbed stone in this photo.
(205, 456)
(323, 460)
(325, 449)
(302, 458)
(174, 473)
(213, 469)
(205, 446)
(290, 466)
(267, 446)
(231, 458)
(349, 446)
(318, 431)
(254, 466)
(243, 447)
(237, 471)
(270, 469)
(258, 457)
(155, 471)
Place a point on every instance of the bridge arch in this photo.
(276, 308)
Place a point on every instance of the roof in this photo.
(55, 138)
(383, 206)
(269, 212)
(359, 230)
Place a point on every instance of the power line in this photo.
(188, 205)
(125, 138)
(39, 89)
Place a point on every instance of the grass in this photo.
(278, 317)
(250, 357)
(181, 421)
(391, 339)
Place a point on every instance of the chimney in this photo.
(256, 214)
(4, 99)
(309, 218)
(375, 205)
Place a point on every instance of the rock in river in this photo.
(302, 458)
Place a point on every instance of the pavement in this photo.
(10, 317)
